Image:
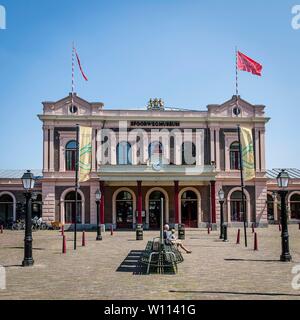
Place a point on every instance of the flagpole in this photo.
(76, 185)
(242, 186)
(73, 75)
(236, 74)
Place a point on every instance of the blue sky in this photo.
(131, 50)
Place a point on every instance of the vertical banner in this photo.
(247, 153)
(85, 154)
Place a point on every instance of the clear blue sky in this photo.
(179, 50)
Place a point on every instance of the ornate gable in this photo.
(232, 109)
(64, 107)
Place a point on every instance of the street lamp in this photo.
(98, 196)
(221, 201)
(283, 182)
(28, 185)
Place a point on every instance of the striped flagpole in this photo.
(73, 74)
(236, 75)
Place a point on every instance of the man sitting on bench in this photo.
(171, 239)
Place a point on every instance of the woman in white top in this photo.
(172, 239)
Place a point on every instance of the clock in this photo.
(157, 166)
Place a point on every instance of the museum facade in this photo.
(146, 160)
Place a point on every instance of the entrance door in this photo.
(70, 208)
(237, 207)
(6, 209)
(295, 207)
(155, 209)
(189, 209)
(124, 210)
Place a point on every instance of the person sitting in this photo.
(167, 233)
(172, 239)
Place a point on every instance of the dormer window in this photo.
(237, 111)
(73, 109)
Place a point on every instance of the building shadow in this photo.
(252, 260)
(265, 294)
(132, 264)
(22, 248)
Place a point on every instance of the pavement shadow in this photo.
(251, 260)
(132, 263)
(22, 248)
(270, 294)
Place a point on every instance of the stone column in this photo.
(48, 190)
(176, 202)
(257, 150)
(263, 150)
(218, 160)
(51, 169)
(102, 189)
(45, 148)
(94, 150)
(140, 203)
(213, 202)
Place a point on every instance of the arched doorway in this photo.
(37, 207)
(7, 204)
(295, 206)
(70, 207)
(124, 210)
(155, 209)
(270, 207)
(236, 212)
(189, 209)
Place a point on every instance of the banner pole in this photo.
(236, 74)
(243, 187)
(76, 186)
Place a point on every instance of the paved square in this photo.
(215, 270)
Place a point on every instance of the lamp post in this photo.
(221, 201)
(283, 182)
(98, 195)
(28, 185)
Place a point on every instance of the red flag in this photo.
(79, 64)
(245, 63)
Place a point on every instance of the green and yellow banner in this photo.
(85, 153)
(247, 153)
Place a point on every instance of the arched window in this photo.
(235, 156)
(189, 209)
(270, 208)
(295, 206)
(237, 208)
(188, 153)
(70, 207)
(155, 209)
(124, 156)
(124, 207)
(71, 156)
(37, 207)
(6, 209)
(155, 151)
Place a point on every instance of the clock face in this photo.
(157, 166)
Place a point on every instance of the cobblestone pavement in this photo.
(215, 270)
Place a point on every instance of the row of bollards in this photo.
(238, 238)
(64, 244)
(1, 229)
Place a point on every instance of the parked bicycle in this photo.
(39, 224)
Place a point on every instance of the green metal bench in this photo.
(166, 257)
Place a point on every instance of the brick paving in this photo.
(215, 270)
